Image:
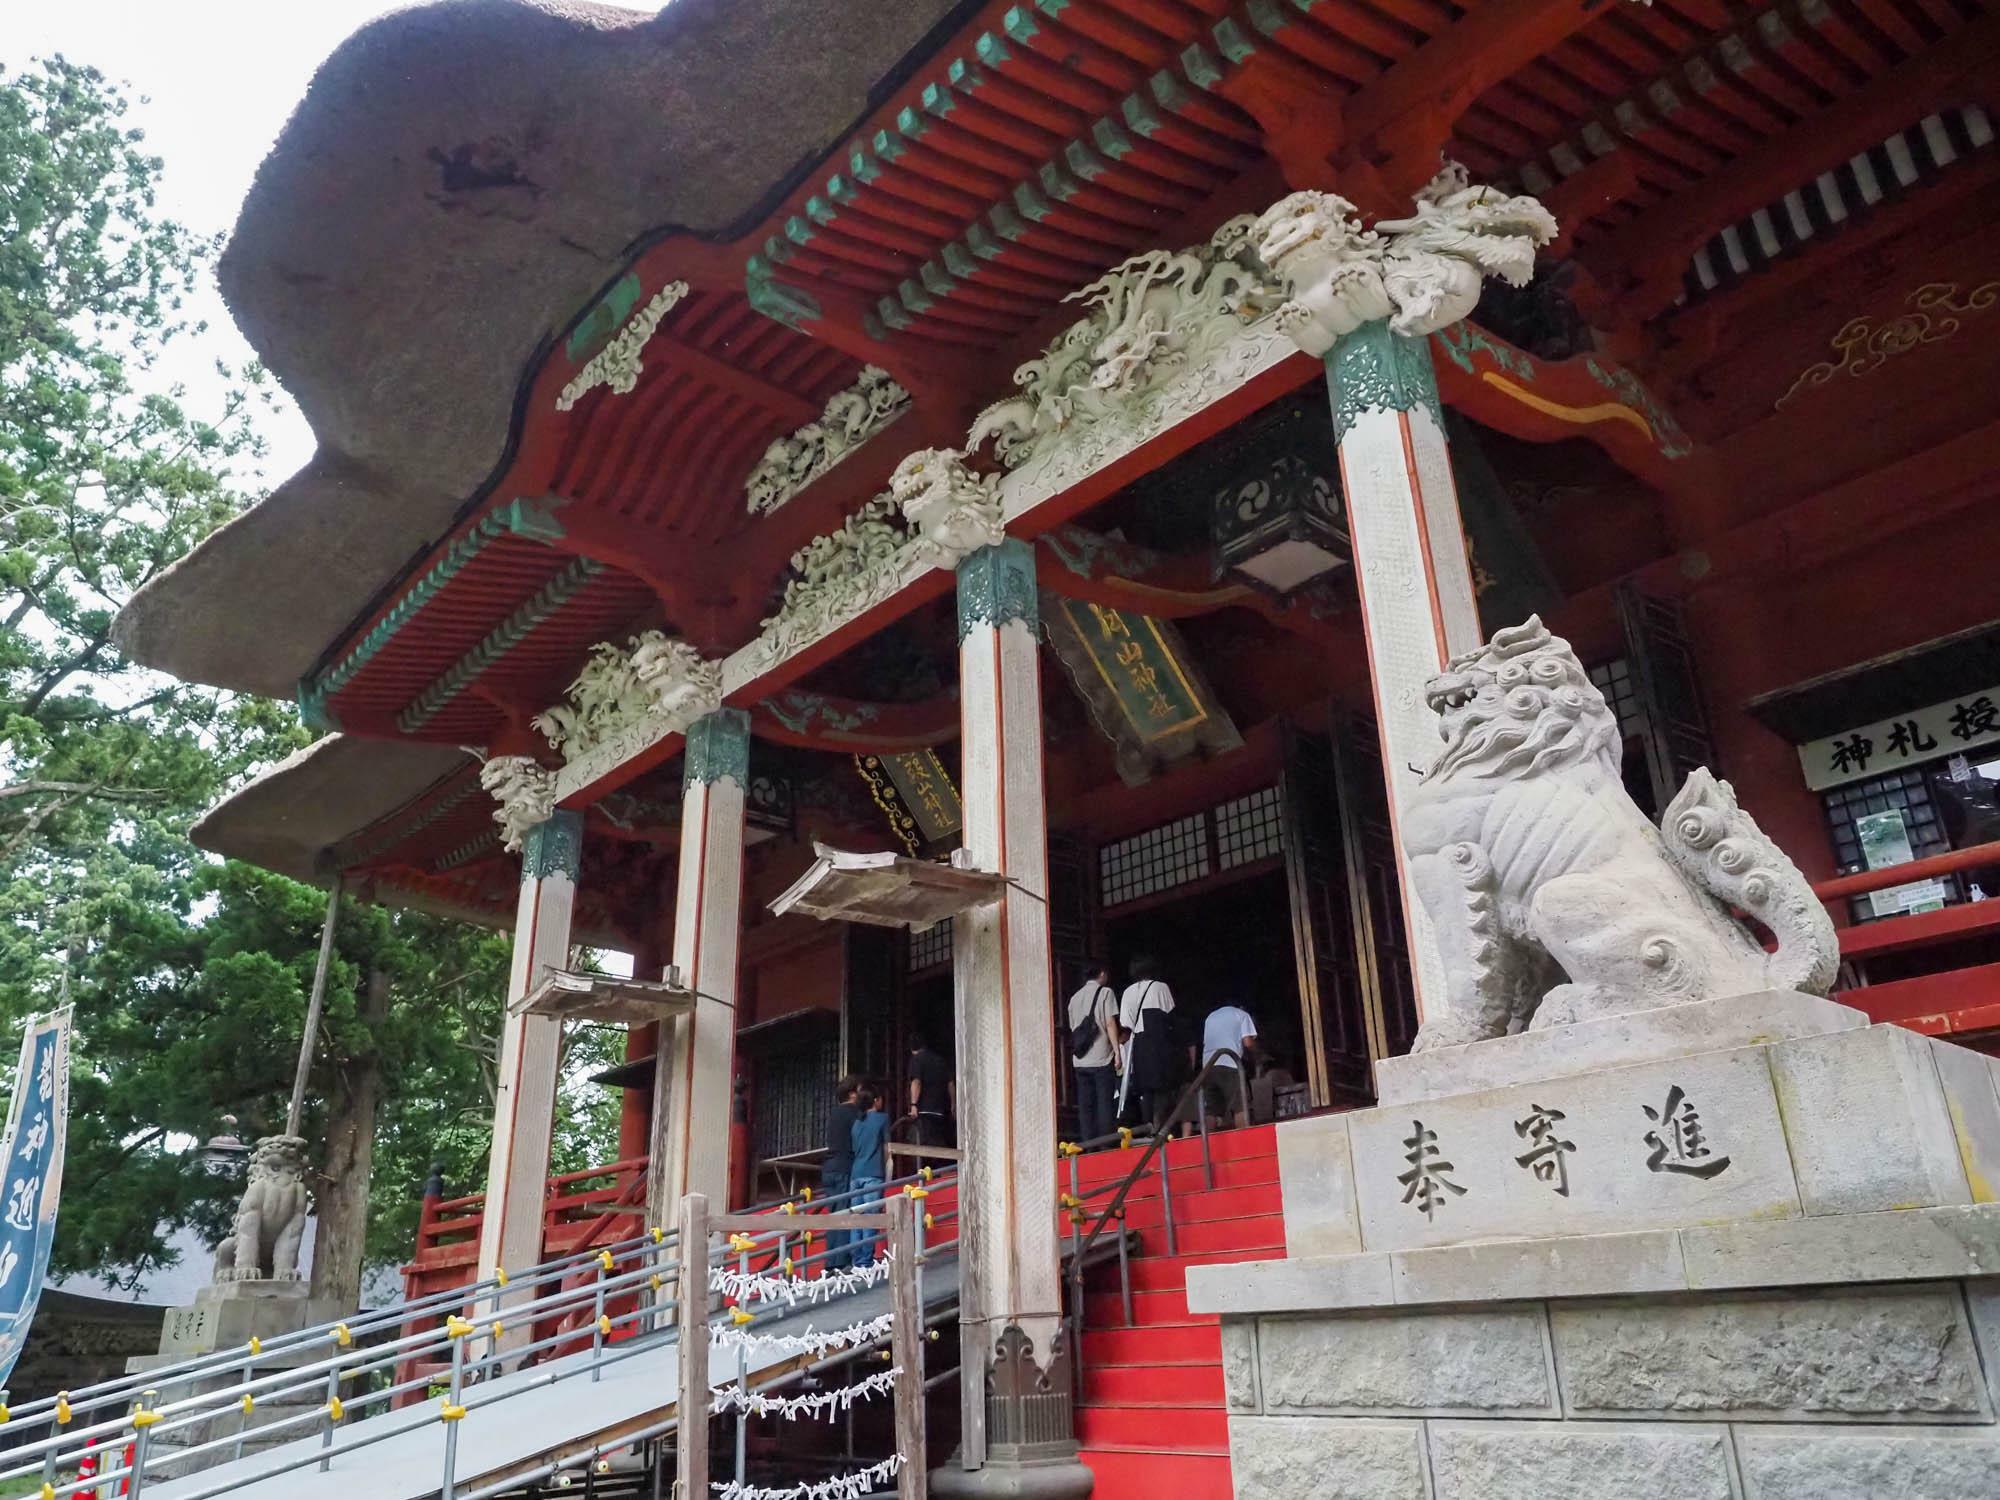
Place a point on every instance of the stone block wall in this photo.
(1808, 1393)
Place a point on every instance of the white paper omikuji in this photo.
(751, 1286)
(813, 1404)
(817, 1342)
(841, 1487)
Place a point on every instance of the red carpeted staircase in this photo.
(1152, 1419)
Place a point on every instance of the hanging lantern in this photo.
(1282, 527)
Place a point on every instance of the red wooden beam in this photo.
(1648, 255)
(1401, 121)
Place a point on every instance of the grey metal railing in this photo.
(119, 1425)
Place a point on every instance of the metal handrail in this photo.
(328, 1374)
(355, 1326)
(639, 1264)
(1082, 1242)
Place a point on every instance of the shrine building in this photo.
(903, 429)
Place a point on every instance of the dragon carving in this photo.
(1422, 273)
(1150, 317)
(1554, 898)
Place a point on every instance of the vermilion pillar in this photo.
(517, 1170)
(1011, 1295)
(697, 1055)
(1411, 568)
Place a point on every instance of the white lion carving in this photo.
(526, 793)
(1422, 273)
(1330, 264)
(953, 510)
(1459, 235)
(1555, 900)
(681, 683)
(263, 1244)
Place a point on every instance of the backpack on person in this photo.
(1083, 1035)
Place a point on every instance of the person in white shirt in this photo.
(1093, 1019)
(1149, 1067)
(1225, 1096)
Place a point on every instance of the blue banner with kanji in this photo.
(31, 1160)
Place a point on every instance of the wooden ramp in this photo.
(519, 1423)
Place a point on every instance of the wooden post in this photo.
(315, 1005)
(907, 1346)
(691, 1463)
(695, 1061)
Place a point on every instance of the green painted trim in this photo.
(504, 637)
(718, 749)
(553, 846)
(606, 318)
(1234, 42)
(1266, 17)
(534, 519)
(776, 301)
(1075, 163)
(313, 711)
(996, 585)
(1372, 369)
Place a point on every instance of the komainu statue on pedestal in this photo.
(271, 1218)
(1554, 899)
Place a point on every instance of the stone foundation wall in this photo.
(1809, 1393)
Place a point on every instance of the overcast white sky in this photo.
(219, 78)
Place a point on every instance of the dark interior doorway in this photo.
(1228, 944)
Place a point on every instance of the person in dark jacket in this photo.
(837, 1170)
(871, 1159)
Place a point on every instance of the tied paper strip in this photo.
(747, 1286)
(817, 1342)
(841, 1487)
(791, 1408)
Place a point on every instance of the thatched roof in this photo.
(461, 180)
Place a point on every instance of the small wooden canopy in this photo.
(887, 890)
(598, 997)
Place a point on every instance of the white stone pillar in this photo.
(1009, 1260)
(517, 1170)
(693, 1078)
(1411, 568)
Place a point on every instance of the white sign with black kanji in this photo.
(1948, 728)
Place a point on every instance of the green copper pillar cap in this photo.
(1266, 17)
(553, 846)
(1373, 369)
(718, 748)
(996, 585)
(990, 49)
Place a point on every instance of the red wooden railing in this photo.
(1956, 997)
(595, 1206)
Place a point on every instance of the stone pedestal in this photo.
(226, 1316)
(1744, 1249)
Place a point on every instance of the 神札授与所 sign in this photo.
(1948, 728)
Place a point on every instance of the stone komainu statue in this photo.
(271, 1218)
(1555, 900)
